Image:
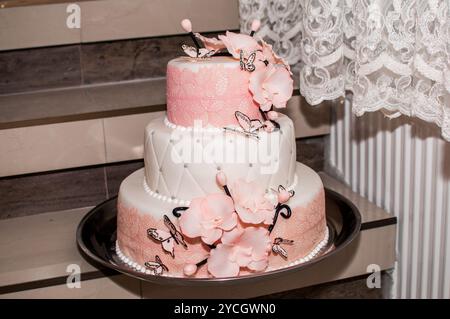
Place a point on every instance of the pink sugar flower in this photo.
(251, 204)
(272, 85)
(248, 247)
(207, 217)
(235, 42)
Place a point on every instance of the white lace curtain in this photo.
(394, 55)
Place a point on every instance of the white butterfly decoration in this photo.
(247, 64)
(168, 239)
(277, 249)
(248, 127)
(157, 267)
(202, 52)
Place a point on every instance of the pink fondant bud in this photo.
(255, 25)
(272, 115)
(221, 179)
(186, 25)
(283, 196)
(190, 269)
(268, 126)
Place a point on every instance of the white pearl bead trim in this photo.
(316, 251)
(164, 198)
(210, 129)
(130, 263)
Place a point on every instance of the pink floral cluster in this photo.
(235, 225)
(271, 82)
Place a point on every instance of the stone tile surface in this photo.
(116, 173)
(130, 59)
(124, 136)
(311, 152)
(51, 147)
(39, 193)
(37, 69)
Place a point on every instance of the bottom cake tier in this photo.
(139, 210)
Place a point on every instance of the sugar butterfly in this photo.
(249, 127)
(277, 249)
(202, 52)
(157, 267)
(247, 64)
(168, 239)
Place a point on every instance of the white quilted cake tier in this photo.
(180, 162)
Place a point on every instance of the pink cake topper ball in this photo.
(283, 196)
(186, 25)
(190, 269)
(221, 179)
(255, 25)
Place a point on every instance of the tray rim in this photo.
(96, 260)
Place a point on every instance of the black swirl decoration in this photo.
(176, 211)
(283, 210)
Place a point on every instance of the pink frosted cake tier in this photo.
(209, 90)
(138, 211)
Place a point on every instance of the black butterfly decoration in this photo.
(169, 238)
(156, 266)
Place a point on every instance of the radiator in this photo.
(403, 166)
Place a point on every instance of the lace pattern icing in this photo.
(210, 95)
(394, 55)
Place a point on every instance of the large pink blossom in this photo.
(207, 217)
(235, 42)
(241, 247)
(251, 203)
(271, 85)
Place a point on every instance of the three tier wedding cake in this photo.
(221, 194)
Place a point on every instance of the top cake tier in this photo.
(208, 90)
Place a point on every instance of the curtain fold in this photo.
(393, 55)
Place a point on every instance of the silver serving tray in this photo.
(96, 238)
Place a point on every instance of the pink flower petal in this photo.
(230, 222)
(258, 265)
(210, 236)
(247, 216)
(210, 43)
(257, 78)
(219, 264)
(190, 219)
(258, 239)
(220, 205)
(231, 237)
(280, 86)
(235, 42)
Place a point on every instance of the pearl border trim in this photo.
(318, 249)
(192, 128)
(130, 263)
(183, 202)
(164, 198)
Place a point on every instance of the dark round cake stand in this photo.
(96, 239)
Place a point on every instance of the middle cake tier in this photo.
(181, 162)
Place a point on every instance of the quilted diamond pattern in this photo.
(169, 175)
